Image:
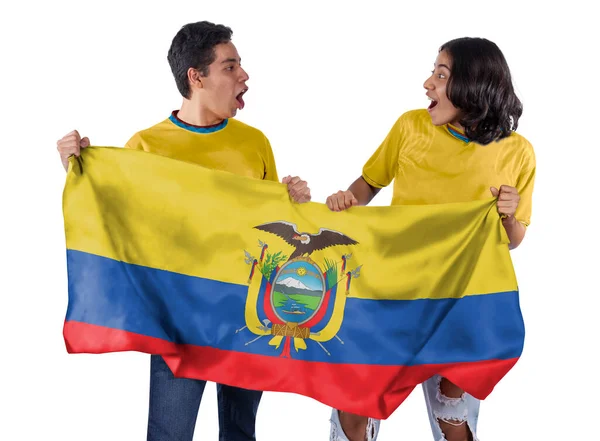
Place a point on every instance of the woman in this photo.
(462, 148)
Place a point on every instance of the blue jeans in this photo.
(174, 404)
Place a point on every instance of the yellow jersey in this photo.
(230, 146)
(438, 164)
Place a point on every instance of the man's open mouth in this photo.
(239, 98)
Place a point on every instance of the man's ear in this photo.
(195, 78)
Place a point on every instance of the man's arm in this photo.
(71, 145)
(297, 188)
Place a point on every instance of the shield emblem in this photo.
(298, 291)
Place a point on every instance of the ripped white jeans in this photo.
(439, 407)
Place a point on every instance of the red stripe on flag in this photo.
(93, 339)
(354, 388)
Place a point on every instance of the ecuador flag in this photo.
(231, 282)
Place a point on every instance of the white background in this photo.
(327, 81)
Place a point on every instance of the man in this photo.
(209, 76)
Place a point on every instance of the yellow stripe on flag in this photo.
(181, 217)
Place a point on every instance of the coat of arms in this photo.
(295, 299)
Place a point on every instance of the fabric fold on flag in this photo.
(231, 282)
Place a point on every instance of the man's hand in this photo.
(297, 188)
(341, 200)
(71, 145)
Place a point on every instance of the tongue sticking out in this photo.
(240, 100)
(432, 105)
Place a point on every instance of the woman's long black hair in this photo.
(480, 85)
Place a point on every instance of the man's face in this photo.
(223, 87)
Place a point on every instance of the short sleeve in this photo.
(135, 142)
(381, 168)
(524, 185)
(269, 160)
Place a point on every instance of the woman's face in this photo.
(441, 110)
